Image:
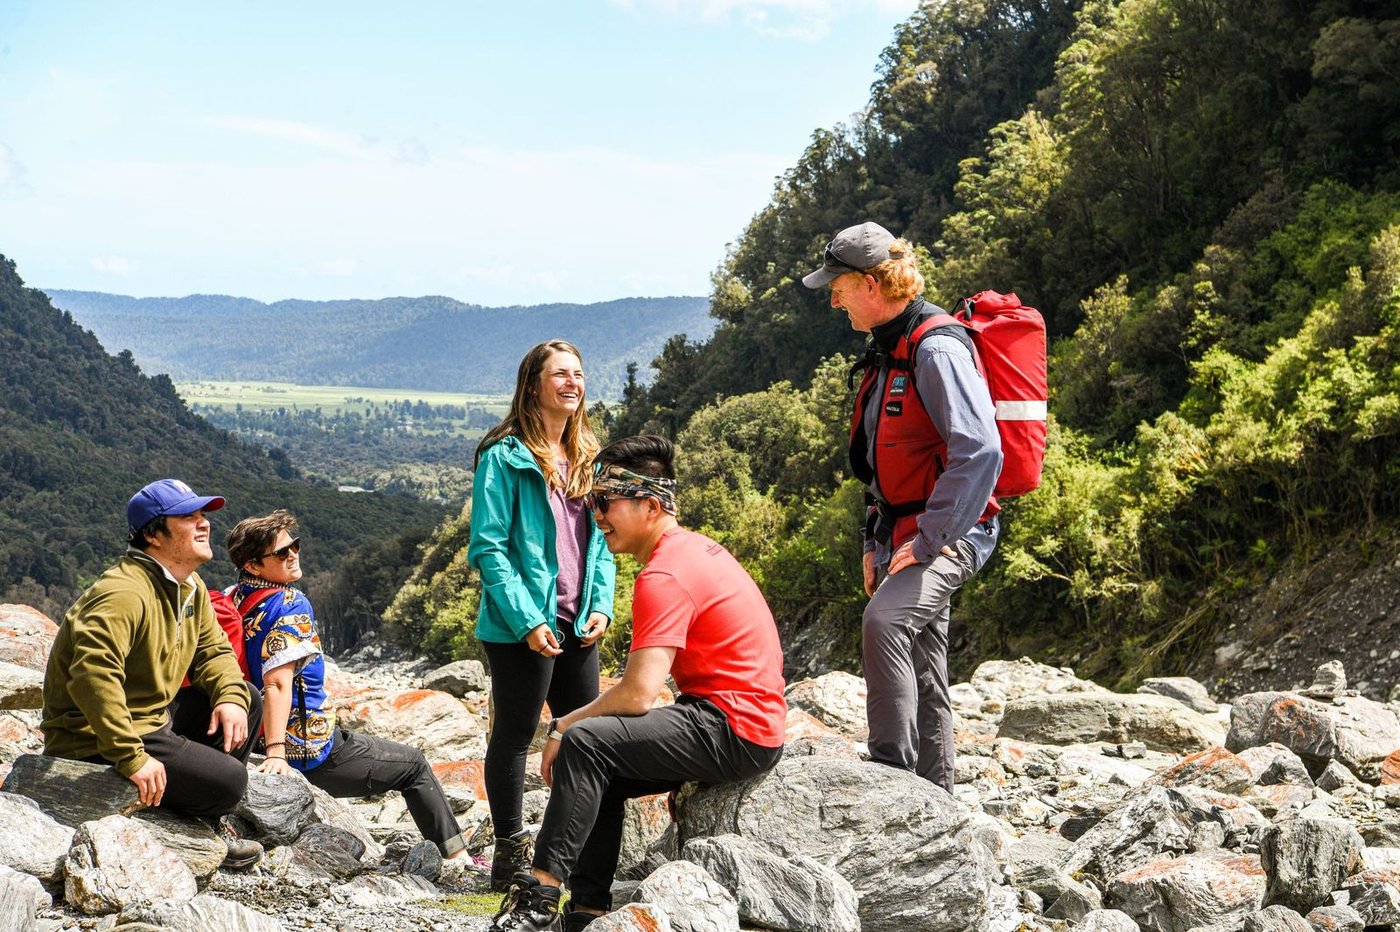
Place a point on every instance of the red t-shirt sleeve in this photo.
(662, 612)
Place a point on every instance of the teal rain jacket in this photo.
(512, 547)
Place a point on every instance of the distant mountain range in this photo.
(432, 343)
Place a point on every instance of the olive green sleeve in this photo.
(102, 636)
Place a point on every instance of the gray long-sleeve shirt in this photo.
(955, 397)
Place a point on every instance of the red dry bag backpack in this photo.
(1010, 341)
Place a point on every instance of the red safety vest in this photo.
(909, 452)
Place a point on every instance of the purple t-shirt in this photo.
(570, 544)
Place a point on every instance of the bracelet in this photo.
(554, 733)
(275, 744)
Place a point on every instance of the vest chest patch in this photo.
(894, 408)
(899, 384)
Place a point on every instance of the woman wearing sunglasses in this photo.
(546, 576)
(285, 662)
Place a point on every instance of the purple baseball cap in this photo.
(167, 497)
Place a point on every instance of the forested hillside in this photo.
(431, 343)
(81, 430)
(1203, 198)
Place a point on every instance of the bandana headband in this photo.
(614, 480)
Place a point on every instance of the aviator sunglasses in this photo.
(281, 553)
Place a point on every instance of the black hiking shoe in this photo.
(511, 856)
(576, 920)
(242, 852)
(529, 906)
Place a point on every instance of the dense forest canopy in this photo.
(81, 430)
(1203, 198)
(431, 343)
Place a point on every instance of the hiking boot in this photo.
(242, 852)
(576, 920)
(529, 906)
(511, 856)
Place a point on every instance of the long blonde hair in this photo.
(579, 442)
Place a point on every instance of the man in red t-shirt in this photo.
(696, 616)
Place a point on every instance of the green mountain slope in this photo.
(81, 430)
(432, 343)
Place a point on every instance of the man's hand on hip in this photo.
(233, 719)
(150, 781)
(903, 558)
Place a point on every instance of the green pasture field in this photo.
(331, 399)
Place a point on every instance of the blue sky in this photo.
(501, 153)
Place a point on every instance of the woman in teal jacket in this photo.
(546, 576)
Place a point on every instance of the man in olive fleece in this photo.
(121, 654)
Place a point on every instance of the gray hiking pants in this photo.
(905, 643)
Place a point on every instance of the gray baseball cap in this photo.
(854, 249)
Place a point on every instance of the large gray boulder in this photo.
(459, 678)
(26, 636)
(690, 897)
(1306, 859)
(633, 917)
(784, 894)
(204, 913)
(1197, 889)
(1275, 918)
(1071, 718)
(1107, 920)
(1006, 680)
(20, 687)
(836, 699)
(22, 898)
(906, 846)
(277, 807)
(116, 862)
(72, 792)
(439, 725)
(1353, 730)
(1158, 822)
(33, 843)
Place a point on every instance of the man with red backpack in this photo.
(924, 439)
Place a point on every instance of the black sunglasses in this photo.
(597, 501)
(282, 553)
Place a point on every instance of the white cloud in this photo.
(307, 135)
(113, 265)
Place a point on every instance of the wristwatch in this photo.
(554, 733)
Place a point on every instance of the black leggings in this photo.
(521, 682)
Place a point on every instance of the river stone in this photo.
(1335, 919)
(1376, 902)
(1160, 723)
(1183, 689)
(1274, 764)
(20, 687)
(424, 860)
(1390, 769)
(1306, 859)
(645, 821)
(1107, 920)
(26, 636)
(1157, 822)
(371, 890)
(1276, 919)
(190, 839)
(777, 893)
(278, 807)
(1075, 903)
(22, 897)
(1179, 894)
(201, 914)
(328, 810)
(33, 843)
(894, 837)
(634, 917)
(116, 862)
(335, 850)
(72, 792)
(690, 897)
(1006, 680)
(435, 723)
(1354, 730)
(837, 699)
(1329, 681)
(1214, 769)
(459, 678)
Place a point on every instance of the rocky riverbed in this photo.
(1074, 808)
